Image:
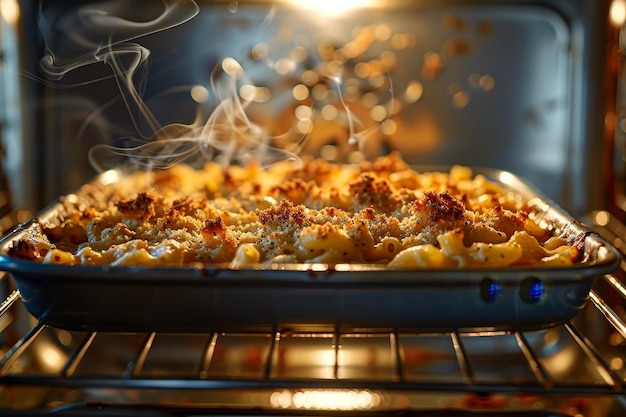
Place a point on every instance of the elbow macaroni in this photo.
(380, 212)
(246, 255)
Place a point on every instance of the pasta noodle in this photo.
(381, 212)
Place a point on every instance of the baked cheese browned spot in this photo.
(431, 214)
(32, 246)
(25, 249)
(285, 215)
(390, 164)
(371, 191)
(443, 207)
(214, 227)
(296, 191)
(141, 207)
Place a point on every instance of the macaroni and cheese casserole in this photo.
(310, 211)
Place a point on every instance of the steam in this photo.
(106, 33)
(98, 33)
(355, 138)
(228, 134)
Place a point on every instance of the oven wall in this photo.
(515, 85)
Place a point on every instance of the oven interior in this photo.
(531, 87)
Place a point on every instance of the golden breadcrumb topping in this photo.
(379, 212)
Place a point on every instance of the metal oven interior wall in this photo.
(515, 85)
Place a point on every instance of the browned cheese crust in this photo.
(293, 212)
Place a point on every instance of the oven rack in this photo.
(583, 357)
(608, 380)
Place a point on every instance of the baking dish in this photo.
(316, 296)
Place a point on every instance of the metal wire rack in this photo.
(581, 363)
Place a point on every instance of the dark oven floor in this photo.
(576, 369)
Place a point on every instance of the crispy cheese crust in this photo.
(381, 212)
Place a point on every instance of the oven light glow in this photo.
(326, 399)
(109, 177)
(10, 11)
(52, 359)
(506, 177)
(617, 12)
(602, 218)
(335, 7)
